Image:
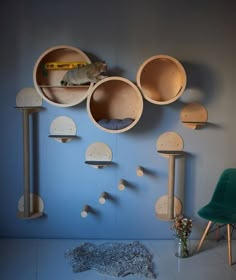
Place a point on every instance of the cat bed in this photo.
(115, 124)
(113, 259)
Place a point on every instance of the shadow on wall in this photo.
(150, 119)
(201, 83)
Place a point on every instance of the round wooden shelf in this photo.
(47, 81)
(115, 104)
(161, 79)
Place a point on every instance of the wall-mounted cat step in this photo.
(161, 79)
(194, 115)
(63, 129)
(98, 155)
(48, 81)
(115, 104)
(30, 206)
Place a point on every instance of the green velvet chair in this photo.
(221, 210)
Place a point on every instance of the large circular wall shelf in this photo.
(161, 79)
(49, 70)
(115, 104)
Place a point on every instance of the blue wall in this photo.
(200, 34)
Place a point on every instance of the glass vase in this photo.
(182, 247)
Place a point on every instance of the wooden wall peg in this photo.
(121, 185)
(103, 197)
(85, 211)
(139, 171)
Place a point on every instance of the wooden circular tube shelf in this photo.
(161, 79)
(47, 82)
(115, 99)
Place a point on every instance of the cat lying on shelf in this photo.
(90, 73)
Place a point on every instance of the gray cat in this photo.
(90, 73)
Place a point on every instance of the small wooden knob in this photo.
(139, 171)
(85, 211)
(121, 186)
(103, 197)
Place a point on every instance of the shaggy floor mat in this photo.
(114, 259)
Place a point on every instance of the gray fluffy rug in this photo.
(114, 259)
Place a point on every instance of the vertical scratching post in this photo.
(26, 163)
(171, 182)
(30, 205)
(169, 145)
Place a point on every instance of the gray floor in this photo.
(30, 259)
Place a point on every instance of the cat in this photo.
(90, 73)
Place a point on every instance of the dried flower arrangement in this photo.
(182, 227)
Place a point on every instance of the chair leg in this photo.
(217, 235)
(229, 244)
(204, 235)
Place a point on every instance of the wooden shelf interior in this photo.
(115, 98)
(47, 82)
(161, 79)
